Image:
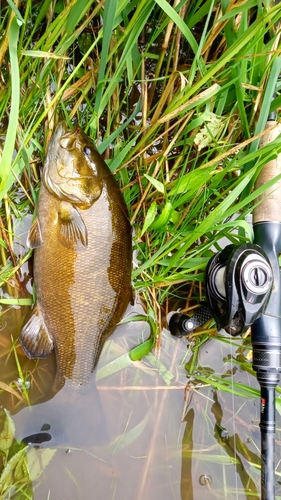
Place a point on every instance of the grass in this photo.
(175, 95)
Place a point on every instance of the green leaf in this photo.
(41, 53)
(238, 223)
(268, 94)
(110, 7)
(225, 385)
(120, 157)
(175, 217)
(158, 185)
(192, 181)
(6, 161)
(238, 10)
(17, 302)
(145, 347)
(130, 36)
(150, 216)
(37, 461)
(142, 350)
(239, 47)
(172, 14)
(15, 470)
(109, 140)
(44, 7)
(136, 353)
(164, 373)
(8, 434)
(16, 10)
(163, 218)
(114, 366)
(78, 10)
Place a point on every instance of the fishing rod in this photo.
(266, 330)
(243, 289)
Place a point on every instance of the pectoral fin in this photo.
(34, 239)
(35, 339)
(73, 229)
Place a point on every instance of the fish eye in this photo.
(87, 151)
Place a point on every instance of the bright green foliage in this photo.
(204, 96)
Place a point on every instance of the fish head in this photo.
(71, 170)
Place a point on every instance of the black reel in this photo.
(238, 286)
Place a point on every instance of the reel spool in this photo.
(238, 286)
(238, 282)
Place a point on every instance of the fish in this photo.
(82, 244)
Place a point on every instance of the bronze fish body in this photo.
(82, 258)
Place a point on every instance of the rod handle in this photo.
(269, 207)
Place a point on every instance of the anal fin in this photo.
(35, 339)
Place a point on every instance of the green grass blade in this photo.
(110, 8)
(6, 160)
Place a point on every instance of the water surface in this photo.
(165, 436)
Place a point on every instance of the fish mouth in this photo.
(66, 138)
(62, 131)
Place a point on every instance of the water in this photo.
(165, 439)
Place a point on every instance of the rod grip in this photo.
(269, 207)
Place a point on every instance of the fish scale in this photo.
(82, 290)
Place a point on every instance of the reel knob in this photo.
(238, 285)
(257, 276)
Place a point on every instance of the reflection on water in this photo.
(158, 438)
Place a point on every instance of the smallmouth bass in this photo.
(82, 258)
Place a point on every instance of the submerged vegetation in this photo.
(175, 96)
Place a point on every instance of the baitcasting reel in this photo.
(238, 286)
